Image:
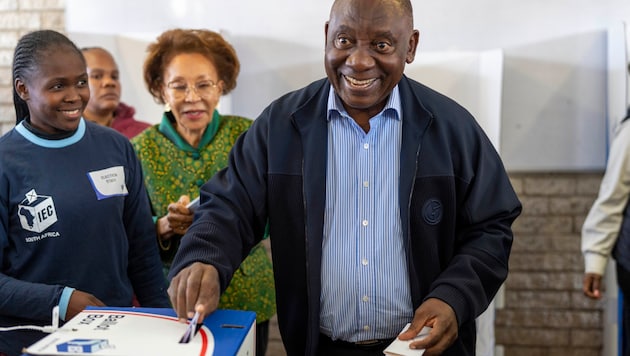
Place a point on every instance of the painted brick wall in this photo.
(18, 17)
(545, 312)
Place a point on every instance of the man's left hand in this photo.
(439, 316)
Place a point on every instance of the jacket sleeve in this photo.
(475, 245)
(20, 299)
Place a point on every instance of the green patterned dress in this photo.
(173, 168)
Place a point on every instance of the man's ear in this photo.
(21, 89)
(413, 45)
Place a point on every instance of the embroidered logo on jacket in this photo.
(37, 212)
(432, 211)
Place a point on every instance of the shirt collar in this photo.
(335, 107)
(36, 137)
(167, 129)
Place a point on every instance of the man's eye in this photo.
(382, 46)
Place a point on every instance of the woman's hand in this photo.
(176, 221)
(78, 301)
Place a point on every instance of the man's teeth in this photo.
(357, 82)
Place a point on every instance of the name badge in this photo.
(109, 182)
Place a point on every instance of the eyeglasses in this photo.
(203, 89)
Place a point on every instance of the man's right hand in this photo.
(196, 288)
(591, 285)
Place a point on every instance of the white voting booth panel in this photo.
(554, 104)
(473, 79)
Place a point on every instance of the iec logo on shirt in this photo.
(37, 212)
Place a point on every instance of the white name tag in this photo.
(109, 182)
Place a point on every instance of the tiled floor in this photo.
(275, 347)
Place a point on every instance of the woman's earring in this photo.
(167, 107)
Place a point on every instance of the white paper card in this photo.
(401, 348)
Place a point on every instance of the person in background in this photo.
(75, 221)
(188, 71)
(387, 204)
(105, 107)
(606, 229)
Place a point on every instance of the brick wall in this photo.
(18, 17)
(545, 312)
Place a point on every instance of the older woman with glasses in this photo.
(188, 71)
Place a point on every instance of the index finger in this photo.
(177, 293)
(207, 298)
(195, 288)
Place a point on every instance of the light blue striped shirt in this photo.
(365, 285)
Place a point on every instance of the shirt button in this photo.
(366, 184)
(364, 223)
(366, 146)
(366, 327)
(364, 262)
(365, 298)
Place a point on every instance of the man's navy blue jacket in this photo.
(456, 202)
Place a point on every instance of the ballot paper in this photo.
(115, 332)
(401, 348)
(191, 330)
(193, 205)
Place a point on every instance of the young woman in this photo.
(75, 222)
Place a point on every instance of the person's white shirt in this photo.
(603, 222)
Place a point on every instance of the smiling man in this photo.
(386, 203)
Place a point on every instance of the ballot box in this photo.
(149, 331)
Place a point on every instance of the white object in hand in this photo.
(193, 205)
(401, 348)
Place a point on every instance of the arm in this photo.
(21, 299)
(477, 262)
(35, 301)
(603, 222)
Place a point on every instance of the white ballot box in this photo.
(149, 331)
